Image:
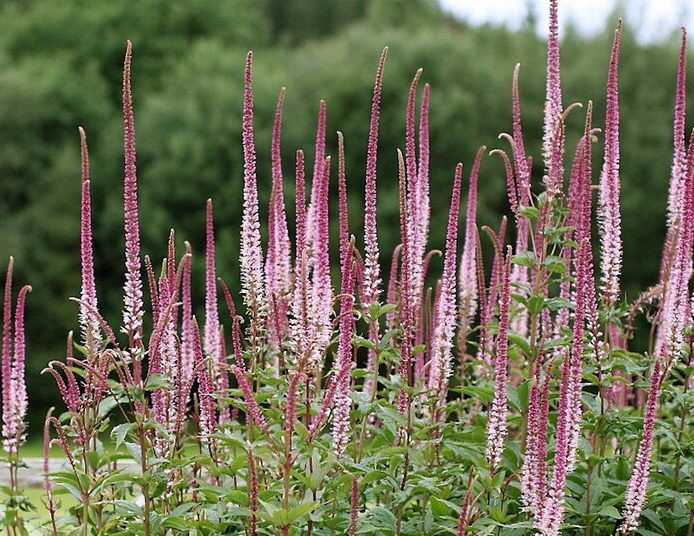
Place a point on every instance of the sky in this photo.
(650, 19)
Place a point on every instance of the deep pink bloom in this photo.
(7, 394)
(132, 299)
(372, 269)
(252, 276)
(496, 424)
(187, 350)
(254, 411)
(208, 420)
(608, 198)
(91, 334)
(211, 342)
(252, 490)
(354, 508)
(318, 163)
(235, 326)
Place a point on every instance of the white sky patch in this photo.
(652, 20)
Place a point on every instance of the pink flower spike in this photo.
(18, 369)
(423, 202)
(235, 326)
(254, 411)
(441, 356)
(132, 300)
(187, 350)
(318, 163)
(91, 335)
(638, 483)
(210, 343)
(679, 163)
(7, 394)
(553, 99)
(467, 277)
(208, 420)
(496, 424)
(252, 276)
(277, 262)
(608, 198)
(321, 292)
(372, 281)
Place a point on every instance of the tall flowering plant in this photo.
(426, 398)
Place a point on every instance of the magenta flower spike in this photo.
(444, 324)
(321, 291)
(372, 269)
(318, 163)
(132, 291)
(340, 422)
(211, 342)
(254, 411)
(277, 262)
(300, 306)
(679, 162)
(467, 277)
(354, 508)
(7, 392)
(423, 201)
(638, 483)
(18, 369)
(235, 327)
(553, 104)
(252, 284)
(208, 419)
(416, 254)
(406, 311)
(496, 424)
(91, 334)
(187, 347)
(608, 198)
(550, 517)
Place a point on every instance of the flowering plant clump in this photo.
(478, 400)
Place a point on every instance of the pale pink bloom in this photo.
(372, 276)
(444, 324)
(251, 260)
(679, 161)
(552, 141)
(340, 420)
(187, 350)
(321, 285)
(496, 424)
(608, 198)
(132, 298)
(277, 261)
(638, 483)
(211, 341)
